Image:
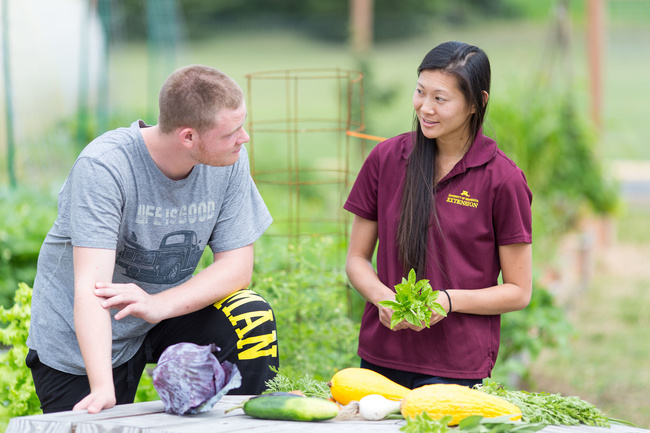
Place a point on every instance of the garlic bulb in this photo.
(375, 407)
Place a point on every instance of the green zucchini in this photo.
(290, 408)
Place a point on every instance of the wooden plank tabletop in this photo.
(150, 417)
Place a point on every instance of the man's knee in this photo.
(253, 324)
(254, 346)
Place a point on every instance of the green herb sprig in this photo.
(552, 409)
(423, 423)
(414, 302)
(287, 380)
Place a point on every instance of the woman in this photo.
(445, 201)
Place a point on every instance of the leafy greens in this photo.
(414, 302)
(423, 423)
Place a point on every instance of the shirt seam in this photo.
(515, 239)
(350, 207)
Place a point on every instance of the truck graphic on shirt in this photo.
(176, 257)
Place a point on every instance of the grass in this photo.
(607, 363)
(634, 226)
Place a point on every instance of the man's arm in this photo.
(231, 271)
(93, 325)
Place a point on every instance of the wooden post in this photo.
(596, 46)
(361, 20)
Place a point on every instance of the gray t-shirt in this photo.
(116, 198)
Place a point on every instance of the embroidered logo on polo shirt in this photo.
(463, 199)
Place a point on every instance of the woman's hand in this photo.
(386, 314)
(435, 317)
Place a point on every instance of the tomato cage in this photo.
(302, 153)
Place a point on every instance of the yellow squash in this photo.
(355, 383)
(456, 400)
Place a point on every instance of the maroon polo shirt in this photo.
(482, 203)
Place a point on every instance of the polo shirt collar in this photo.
(482, 150)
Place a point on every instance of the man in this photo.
(114, 284)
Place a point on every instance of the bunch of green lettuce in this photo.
(414, 302)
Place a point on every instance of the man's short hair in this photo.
(193, 95)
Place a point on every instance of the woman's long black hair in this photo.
(471, 67)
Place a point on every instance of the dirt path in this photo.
(608, 359)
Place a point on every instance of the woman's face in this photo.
(441, 107)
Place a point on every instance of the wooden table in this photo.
(150, 417)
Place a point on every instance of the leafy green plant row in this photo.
(17, 393)
(25, 218)
(557, 149)
(310, 298)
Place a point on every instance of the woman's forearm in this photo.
(364, 279)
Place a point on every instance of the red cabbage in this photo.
(189, 378)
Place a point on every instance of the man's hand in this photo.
(96, 401)
(230, 271)
(130, 300)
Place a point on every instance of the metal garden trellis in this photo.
(299, 170)
(317, 112)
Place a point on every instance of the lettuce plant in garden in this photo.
(17, 393)
(25, 218)
(312, 303)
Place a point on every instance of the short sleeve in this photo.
(512, 210)
(96, 204)
(243, 216)
(362, 200)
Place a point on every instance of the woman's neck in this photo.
(448, 154)
(452, 148)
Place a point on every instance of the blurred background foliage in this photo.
(328, 20)
(26, 216)
(538, 114)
